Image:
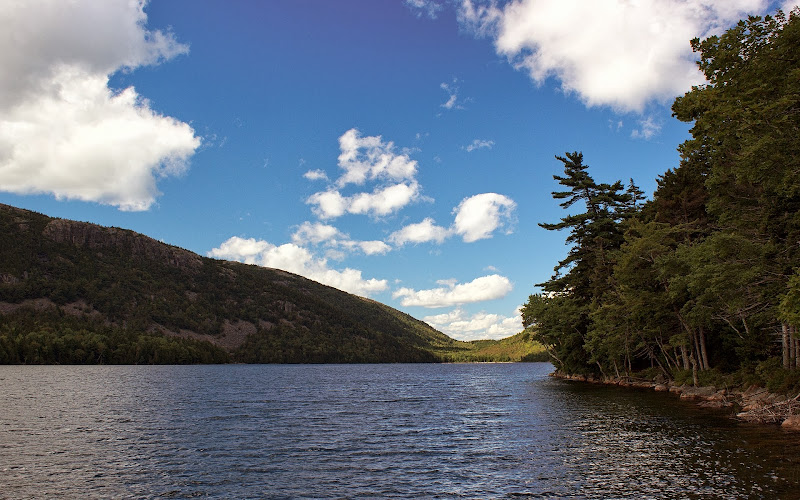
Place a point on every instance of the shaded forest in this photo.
(702, 282)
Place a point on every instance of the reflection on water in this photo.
(349, 431)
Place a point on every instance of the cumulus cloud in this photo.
(462, 326)
(478, 290)
(373, 247)
(421, 232)
(385, 200)
(364, 158)
(477, 217)
(314, 233)
(478, 144)
(367, 159)
(62, 129)
(609, 52)
(318, 233)
(296, 259)
(380, 202)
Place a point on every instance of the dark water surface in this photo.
(370, 431)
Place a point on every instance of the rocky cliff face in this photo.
(94, 237)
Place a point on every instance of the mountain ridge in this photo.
(116, 277)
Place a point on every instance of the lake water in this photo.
(370, 431)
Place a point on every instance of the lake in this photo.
(370, 431)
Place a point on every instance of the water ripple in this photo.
(370, 431)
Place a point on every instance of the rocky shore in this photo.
(753, 404)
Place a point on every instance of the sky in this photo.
(402, 150)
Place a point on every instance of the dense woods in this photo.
(703, 280)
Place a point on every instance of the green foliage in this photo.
(47, 337)
(562, 314)
(519, 347)
(693, 285)
(775, 378)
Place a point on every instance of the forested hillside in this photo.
(73, 292)
(703, 280)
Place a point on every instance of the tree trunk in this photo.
(703, 353)
(694, 370)
(697, 362)
(685, 356)
(792, 351)
(785, 345)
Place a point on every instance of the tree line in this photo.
(704, 278)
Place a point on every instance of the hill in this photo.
(518, 348)
(75, 292)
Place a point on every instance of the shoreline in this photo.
(753, 404)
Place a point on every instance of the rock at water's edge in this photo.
(792, 423)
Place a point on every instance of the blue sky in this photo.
(401, 150)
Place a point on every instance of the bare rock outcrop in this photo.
(92, 236)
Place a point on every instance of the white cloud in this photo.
(459, 325)
(479, 144)
(296, 259)
(318, 233)
(364, 158)
(382, 201)
(648, 128)
(477, 217)
(314, 233)
(478, 290)
(452, 95)
(615, 53)
(788, 5)
(374, 247)
(428, 8)
(367, 159)
(316, 175)
(328, 204)
(421, 232)
(62, 130)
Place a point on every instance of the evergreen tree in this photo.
(583, 277)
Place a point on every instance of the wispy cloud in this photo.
(453, 101)
(316, 175)
(649, 127)
(427, 8)
(63, 130)
(478, 144)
